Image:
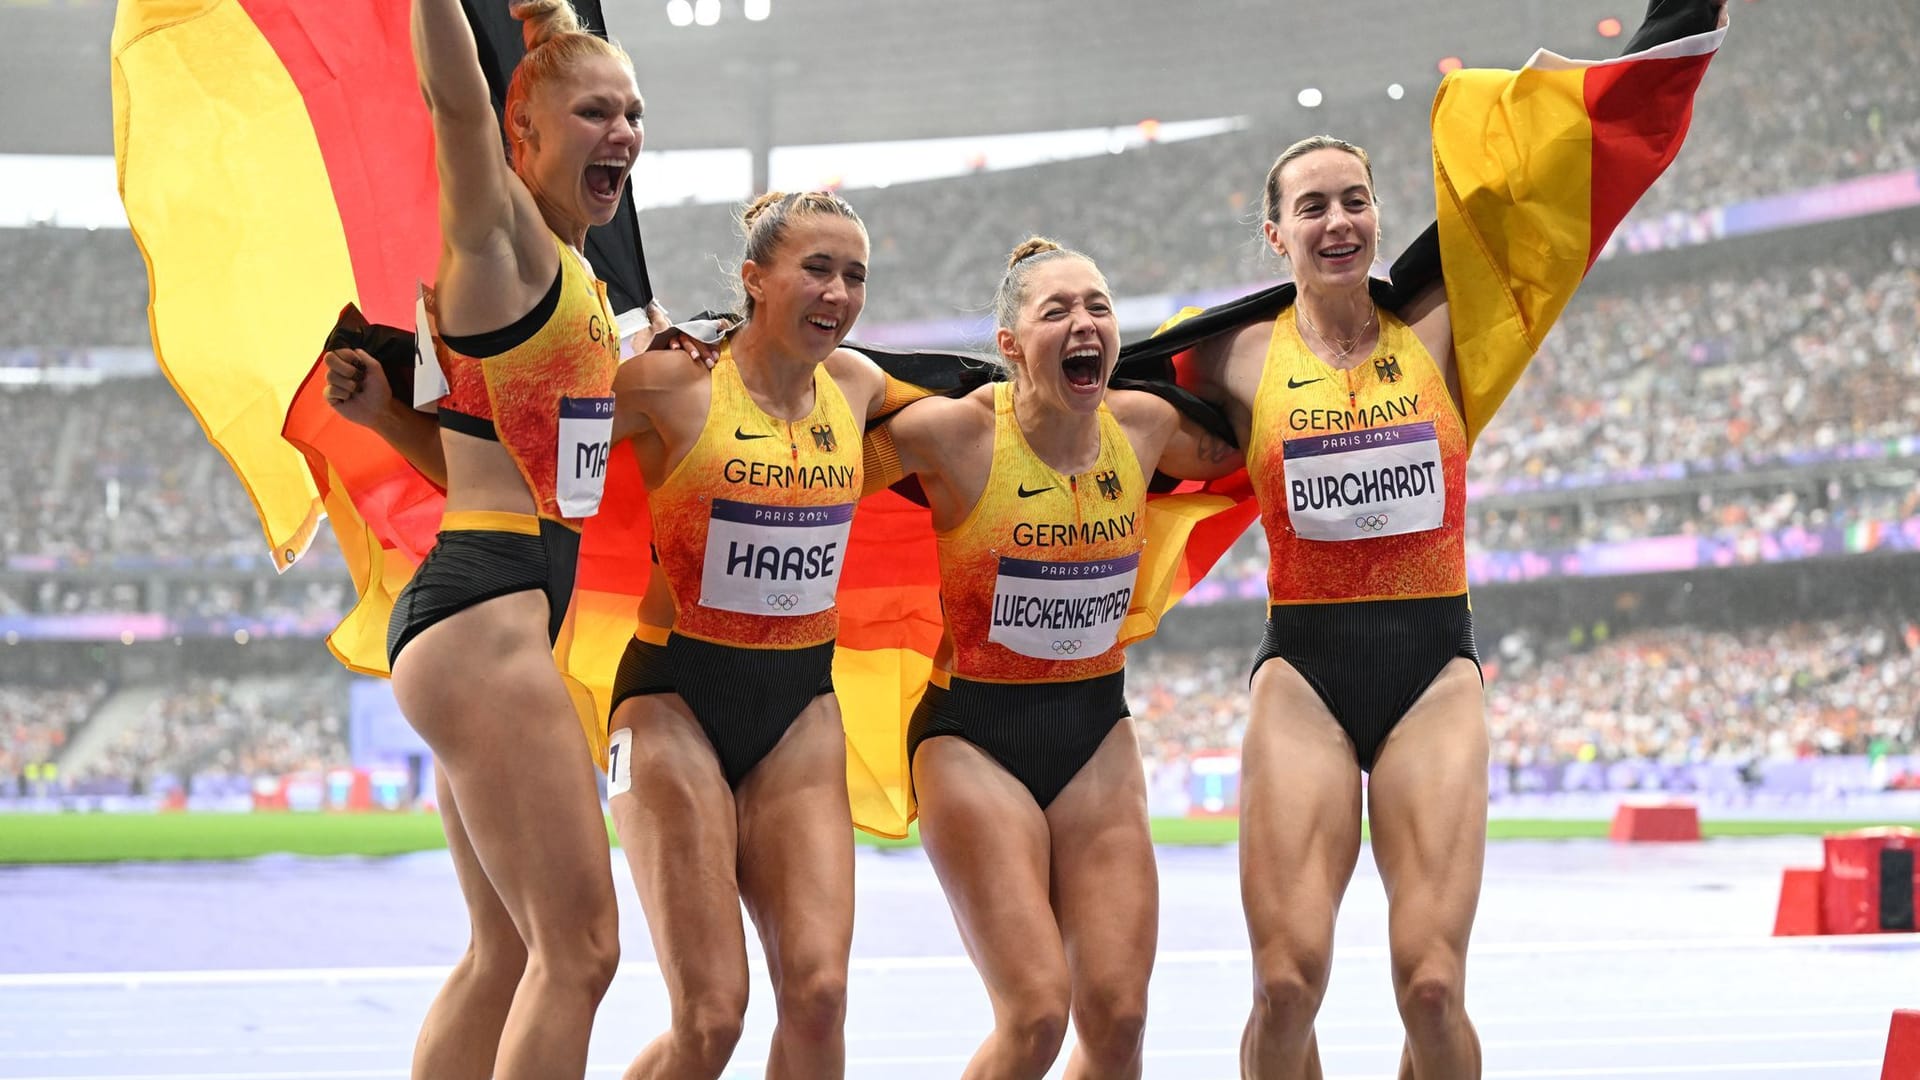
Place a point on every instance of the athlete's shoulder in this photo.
(1132, 407)
(660, 370)
(846, 361)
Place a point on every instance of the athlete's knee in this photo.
(707, 1026)
(1430, 992)
(495, 960)
(813, 1004)
(1288, 987)
(1111, 1024)
(583, 957)
(1036, 1025)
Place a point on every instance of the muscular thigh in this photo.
(1105, 885)
(676, 827)
(1427, 803)
(989, 844)
(481, 688)
(796, 841)
(1299, 807)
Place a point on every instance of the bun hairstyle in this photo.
(765, 220)
(1271, 208)
(1033, 245)
(556, 41)
(545, 19)
(1032, 252)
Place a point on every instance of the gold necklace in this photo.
(1347, 350)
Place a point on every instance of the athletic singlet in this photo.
(1361, 474)
(751, 527)
(1037, 580)
(543, 388)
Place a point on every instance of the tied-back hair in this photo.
(1270, 210)
(765, 220)
(556, 41)
(1030, 255)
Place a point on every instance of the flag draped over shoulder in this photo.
(890, 619)
(276, 161)
(889, 599)
(1533, 171)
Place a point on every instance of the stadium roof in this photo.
(828, 71)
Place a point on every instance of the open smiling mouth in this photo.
(1082, 369)
(605, 177)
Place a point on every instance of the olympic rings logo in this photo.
(1370, 522)
(783, 601)
(1068, 647)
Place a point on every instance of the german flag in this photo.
(276, 161)
(1533, 170)
(889, 599)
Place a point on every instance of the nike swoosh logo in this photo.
(1293, 385)
(743, 436)
(1025, 494)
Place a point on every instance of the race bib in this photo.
(619, 762)
(429, 382)
(773, 560)
(1061, 610)
(586, 436)
(1357, 485)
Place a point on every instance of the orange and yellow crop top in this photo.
(751, 526)
(543, 388)
(1037, 580)
(1360, 474)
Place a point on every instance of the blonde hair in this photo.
(1271, 203)
(556, 41)
(1031, 252)
(1028, 255)
(764, 225)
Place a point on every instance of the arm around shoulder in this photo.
(1187, 449)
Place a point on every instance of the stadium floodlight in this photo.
(1310, 98)
(706, 12)
(758, 10)
(1450, 64)
(1609, 27)
(680, 12)
(1396, 91)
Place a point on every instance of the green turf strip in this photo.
(84, 838)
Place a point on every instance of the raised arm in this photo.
(476, 203)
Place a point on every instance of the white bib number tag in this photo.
(1061, 610)
(1357, 485)
(586, 437)
(429, 382)
(620, 762)
(774, 560)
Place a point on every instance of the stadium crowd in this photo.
(36, 723)
(1785, 366)
(220, 727)
(1674, 695)
(1783, 363)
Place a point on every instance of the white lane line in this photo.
(889, 965)
(615, 1069)
(1742, 1068)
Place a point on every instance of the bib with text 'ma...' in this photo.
(1061, 610)
(1363, 484)
(773, 560)
(586, 437)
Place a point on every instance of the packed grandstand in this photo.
(1731, 408)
